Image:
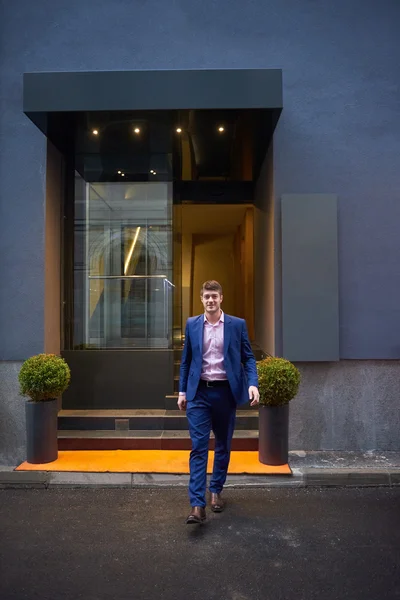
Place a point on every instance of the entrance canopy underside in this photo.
(245, 103)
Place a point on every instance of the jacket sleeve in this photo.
(247, 358)
(186, 361)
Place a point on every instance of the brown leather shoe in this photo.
(197, 515)
(217, 504)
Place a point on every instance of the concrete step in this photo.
(145, 440)
(139, 420)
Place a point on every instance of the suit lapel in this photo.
(200, 326)
(227, 333)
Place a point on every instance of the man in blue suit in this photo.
(218, 372)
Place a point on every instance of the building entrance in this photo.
(158, 180)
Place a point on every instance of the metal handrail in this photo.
(132, 277)
(127, 277)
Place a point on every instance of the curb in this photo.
(301, 478)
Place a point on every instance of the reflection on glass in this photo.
(123, 287)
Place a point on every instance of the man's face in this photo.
(211, 301)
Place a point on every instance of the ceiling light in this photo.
(95, 132)
(131, 249)
(221, 129)
(137, 130)
(119, 172)
(178, 130)
(122, 174)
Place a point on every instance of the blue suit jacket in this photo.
(239, 361)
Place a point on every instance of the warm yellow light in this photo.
(221, 129)
(119, 173)
(131, 249)
(122, 174)
(179, 130)
(95, 132)
(137, 130)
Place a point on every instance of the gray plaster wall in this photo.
(339, 133)
(12, 416)
(349, 405)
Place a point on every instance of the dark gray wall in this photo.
(339, 131)
(128, 379)
(310, 316)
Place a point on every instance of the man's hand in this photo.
(182, 401)
(254, 395)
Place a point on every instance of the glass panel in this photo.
(123, 288)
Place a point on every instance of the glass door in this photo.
(124, 292)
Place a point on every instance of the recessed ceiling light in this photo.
(178, 130)
(95, 132)
(221, 129)
(137, 130)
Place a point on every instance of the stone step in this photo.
(145, 440)
(139, 419)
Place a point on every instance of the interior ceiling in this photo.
(158, 151)
(212, 219)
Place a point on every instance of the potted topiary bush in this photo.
(43, 378)
(279, 382)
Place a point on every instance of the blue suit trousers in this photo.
(213, 408)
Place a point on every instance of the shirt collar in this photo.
(221, 319)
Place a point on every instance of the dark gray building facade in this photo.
(319, 207)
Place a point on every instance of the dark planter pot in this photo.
(273, 444)
(41, 431)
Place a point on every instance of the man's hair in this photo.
(211, 285)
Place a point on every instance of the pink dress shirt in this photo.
(213, 350)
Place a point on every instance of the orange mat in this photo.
(148, 461)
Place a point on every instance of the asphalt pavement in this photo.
(269, 544)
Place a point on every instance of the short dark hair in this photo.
(211, 285)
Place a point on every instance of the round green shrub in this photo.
(278, 381)
(44, 377)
